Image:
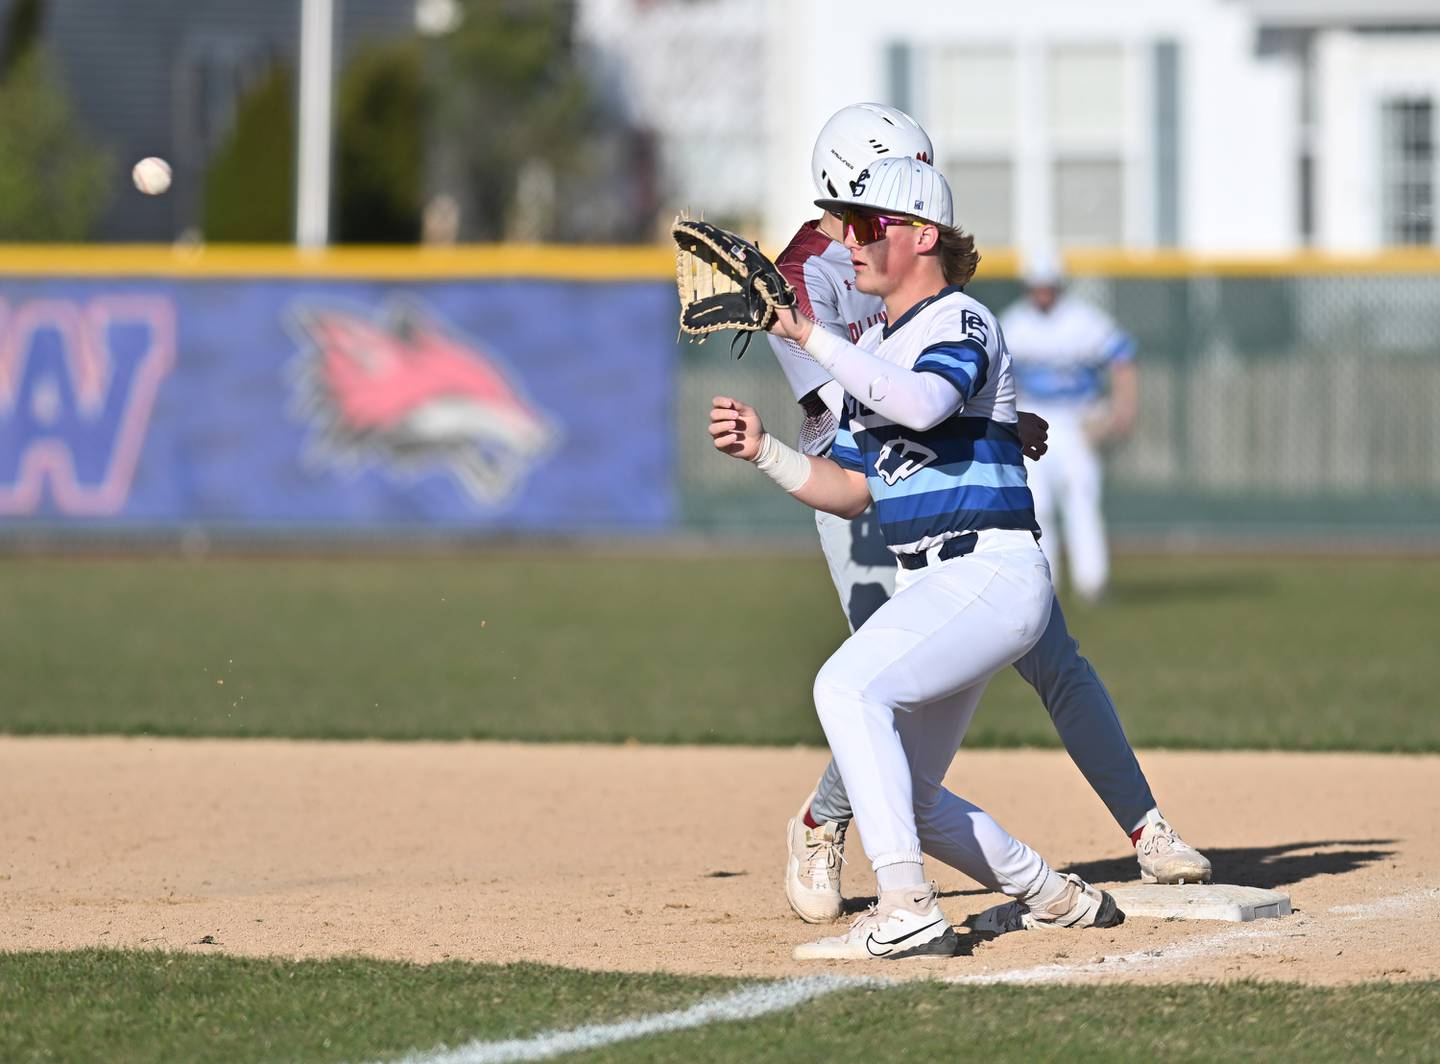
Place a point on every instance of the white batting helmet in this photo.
(899, 185)
(1043, 268)
(856, 136)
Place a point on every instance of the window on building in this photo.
(1051, 164)
(973, 118)
(1087, 92)
(984, 198)
(978, 93)
(1086, 117)
(1407, 127)
(1088, 203)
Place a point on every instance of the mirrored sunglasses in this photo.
(868, 228)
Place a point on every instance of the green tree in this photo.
(54, 179)
(22, 32)
(514, 99)
(495, 109)
(250, 182)
(380, 146)
(379, 153)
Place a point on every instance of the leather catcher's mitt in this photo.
(725, 281)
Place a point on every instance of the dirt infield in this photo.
(645, 858)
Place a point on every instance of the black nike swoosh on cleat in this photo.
(871, 941)
(1109, 914)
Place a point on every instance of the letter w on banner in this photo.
(78, 380)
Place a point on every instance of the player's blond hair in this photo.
(958, 257)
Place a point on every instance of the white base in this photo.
(1202, 901)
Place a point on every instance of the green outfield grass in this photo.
(129, 1007)
(1281, 653)
(1233, 1021)
(121, 1006)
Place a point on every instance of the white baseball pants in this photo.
(1067, 486)
(1077, 701)
(896, 699)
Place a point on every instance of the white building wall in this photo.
(737, 89)
(1346, 197)
(1240, 115)
(815, 68)
(1355, 74)
(1239, 135)
(1239, 168)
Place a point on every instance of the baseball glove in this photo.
(725, 281)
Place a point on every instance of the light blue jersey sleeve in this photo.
(965, 364)
(1119, 347)
(844, 451)
(965, 357)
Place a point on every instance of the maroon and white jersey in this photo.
(824, 281)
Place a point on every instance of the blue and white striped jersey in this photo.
(964, 475)
(1062, 356)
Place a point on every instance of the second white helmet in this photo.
(856, 136)
(896, 185)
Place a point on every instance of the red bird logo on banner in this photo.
(405, 394)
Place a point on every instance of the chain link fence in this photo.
(1275, 410)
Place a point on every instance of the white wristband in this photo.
(784, 465)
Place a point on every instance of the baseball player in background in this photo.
(1075, 368)
(864, 571)
(928, 430)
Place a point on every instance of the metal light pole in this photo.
(317, 60)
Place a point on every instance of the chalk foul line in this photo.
(745, 1003)
(762, 999)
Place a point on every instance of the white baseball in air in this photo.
(151, 175)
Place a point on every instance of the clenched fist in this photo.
(735, 428)
(1034, 435)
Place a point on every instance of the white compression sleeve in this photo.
(916, 400)
(784, 465)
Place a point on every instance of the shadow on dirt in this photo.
(1254, 866)
(1261, 866)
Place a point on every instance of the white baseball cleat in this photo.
(903, 923)
(1167, 858)
(812, 869)
(1080, 906)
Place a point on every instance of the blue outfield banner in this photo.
(292, 405)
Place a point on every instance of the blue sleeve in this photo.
(844, 450)
(964, 363)
(1120, 347)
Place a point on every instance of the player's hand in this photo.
(735, 428)
(792, 325)
(1034, 435)
(1106, 427)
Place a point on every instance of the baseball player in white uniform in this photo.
(1075, 367)
(928, 431)
(864, 570)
